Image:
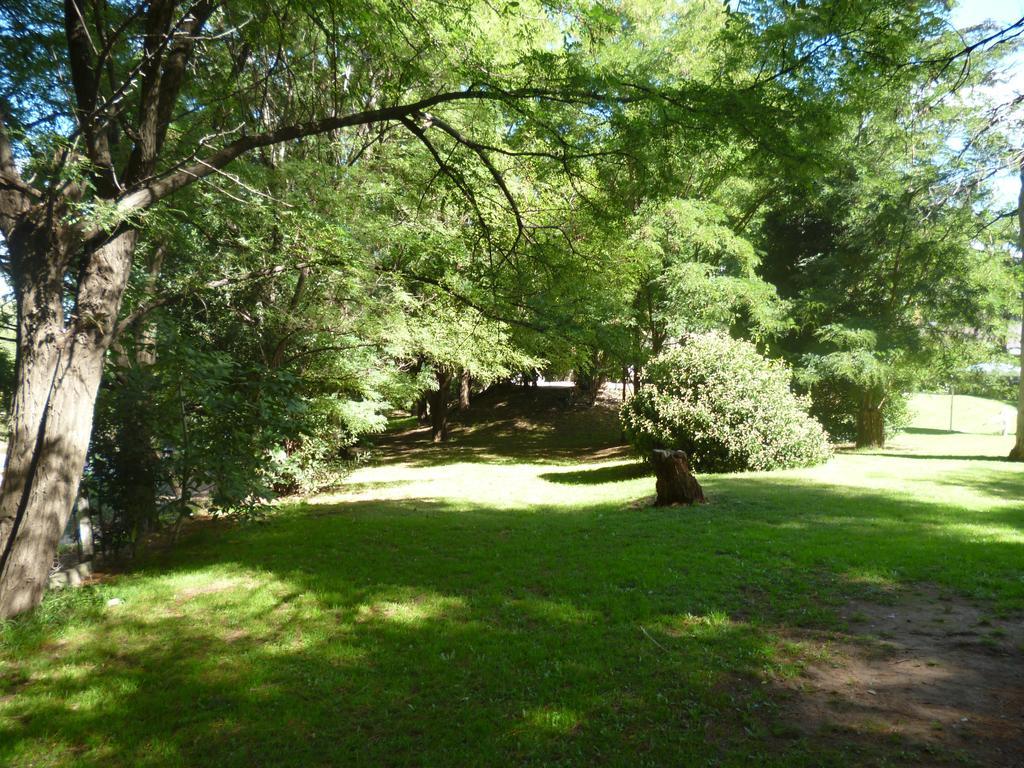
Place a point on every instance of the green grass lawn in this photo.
(485, 606)
(975, 415)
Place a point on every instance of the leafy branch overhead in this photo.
(239, 234)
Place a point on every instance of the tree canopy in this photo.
(238, 235)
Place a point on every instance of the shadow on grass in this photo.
(1004, 486)
(613, 474)
(421, 632)
(504, 442)
(942, 457)
(511, 425)
(374, 637)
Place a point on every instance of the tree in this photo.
(448, 341)
(884, 254)
(1017, 452)
(162, 96)
(107, 109)
(222, 396)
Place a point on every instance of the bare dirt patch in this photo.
(930, 670)
(212, 587)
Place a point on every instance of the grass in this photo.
(975, 415)
(501, 604)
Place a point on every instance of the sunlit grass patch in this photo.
(410, 611)
(518, 612)
(552, 719)
(975, 415)
(554, 611)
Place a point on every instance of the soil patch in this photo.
(931, 670)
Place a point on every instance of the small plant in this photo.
(726, 405)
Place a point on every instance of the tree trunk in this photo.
(1017, 452)
(870, 423)
(588, 388)
(136, 460)
(675, 481)
(439, 407)
(589, 381)
(135, 463)
(57, 375)
(464, 382)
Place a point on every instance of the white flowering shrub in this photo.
(727, 406)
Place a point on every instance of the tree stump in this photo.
(676, 483)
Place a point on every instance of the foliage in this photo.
(700, 274)
(888, 248)
(989, 384)
(325, 435)
(834, 404)
(850, 369)
(727, 406)
(208, 422)
(452, 338)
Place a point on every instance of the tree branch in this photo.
(85, 81)
(484, 311)
(447, 170)
(15, 194)
(167, 48)
(499, 180)
(144, 309)
(146, 195)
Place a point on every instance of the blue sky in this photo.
(969, 12)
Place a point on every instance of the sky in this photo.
(966, 13)
(969, 12)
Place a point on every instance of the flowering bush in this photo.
(727, 406)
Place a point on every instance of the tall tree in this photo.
(79, 174)
(107, 109)
(1017, 452)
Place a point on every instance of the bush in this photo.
(993, 385)
(727, 406)
(834, 403)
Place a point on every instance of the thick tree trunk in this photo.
(588, 387)
(675, 481)
(58, 373)
(439, 407)
(1017, 452)
(135, 465)
(870, 423)
(464, 382)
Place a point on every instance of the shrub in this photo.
(995, 385)
(834, 404)
(727, 406)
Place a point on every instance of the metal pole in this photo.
(952, 396)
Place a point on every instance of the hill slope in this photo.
(972, 415)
